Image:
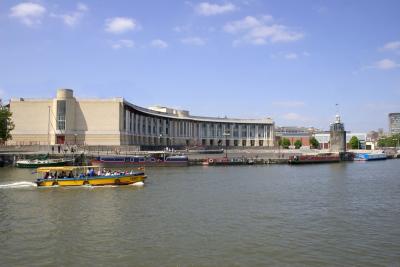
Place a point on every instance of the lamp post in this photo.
(226, 134)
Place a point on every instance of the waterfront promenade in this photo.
(196, 156)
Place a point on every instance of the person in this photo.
(59, 149)
(99, 172)
(52, 149)
(70, 175)
(46, 175)
(91, 172)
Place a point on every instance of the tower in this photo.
(337, 136)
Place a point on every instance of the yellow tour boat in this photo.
(86, 175)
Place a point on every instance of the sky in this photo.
(292, 61)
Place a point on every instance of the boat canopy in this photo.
(64, 168)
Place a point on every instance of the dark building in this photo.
(394, 123)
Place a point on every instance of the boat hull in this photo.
(313, 159)
(37, 165)
(370, 157)
(93, 181)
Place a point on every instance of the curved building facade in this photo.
(116, 121)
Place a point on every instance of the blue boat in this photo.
(370, 156)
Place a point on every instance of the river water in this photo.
(344, 214)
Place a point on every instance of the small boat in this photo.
(309, 159)
(225, 161)
(145, 161)
(36, 163)
(85, 175)
(370, 156)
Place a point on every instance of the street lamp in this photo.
(226, 134)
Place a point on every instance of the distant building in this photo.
(394, 123)
(293, 133)
(68, 120)
(324, 139)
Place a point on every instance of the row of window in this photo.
(143, 125)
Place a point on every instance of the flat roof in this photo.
(198, 118)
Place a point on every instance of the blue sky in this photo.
(289, 60)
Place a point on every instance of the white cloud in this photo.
(385, 64)
(392, 46)
(260, 31)
(28, 13)
(208, 9)
(193, 41)
(71, 19)
(82, 7)
(289, 104)
(124, 43)
(291, 116)
(159, 43)
(291, 56)
(180, 29)
(119, 25)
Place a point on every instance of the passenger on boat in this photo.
(91, 172)
(70, 175)
(46, 175)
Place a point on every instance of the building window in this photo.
(260, 131)
(61, 111)
(236, 130)
(219, 130)
(244, 131)
(204, 130)
(252, 131)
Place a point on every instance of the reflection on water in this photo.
(332, 214)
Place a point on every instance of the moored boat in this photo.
(36, 163)
(370, 156)
(85, 175)
(320, 158)
(225, 161)
(144, 161)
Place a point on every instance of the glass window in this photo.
(61, 111)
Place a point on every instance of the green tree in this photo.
(298, 144)
(6, 124)
(390, 141)
(354, 142)
(284, 142)
(314, 142)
